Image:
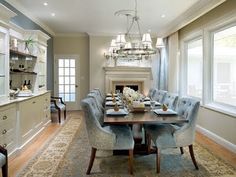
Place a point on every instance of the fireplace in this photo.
(137, 78)
(135, 85)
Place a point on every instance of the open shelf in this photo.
(14, 52)
(23, 73)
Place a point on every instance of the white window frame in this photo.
(207, 32)
(196, 35)
(209, 36)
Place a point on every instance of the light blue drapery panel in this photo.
(162, 67)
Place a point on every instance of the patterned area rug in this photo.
(45, 163)
(74, 162)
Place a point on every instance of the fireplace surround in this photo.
(139, 78)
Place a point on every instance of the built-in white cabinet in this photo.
(23, 61)
(8, 127)
(34, 113)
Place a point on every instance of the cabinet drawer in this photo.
(7, 114)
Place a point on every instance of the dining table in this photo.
(136, 119)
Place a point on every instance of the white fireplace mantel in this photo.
(128, 74)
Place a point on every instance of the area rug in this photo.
(173, 164)
(74, 158)
(45, 163)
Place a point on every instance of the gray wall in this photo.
(26, 23)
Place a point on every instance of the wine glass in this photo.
(152, 104)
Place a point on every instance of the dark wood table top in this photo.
(147, 117)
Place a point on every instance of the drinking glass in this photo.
(152, 104)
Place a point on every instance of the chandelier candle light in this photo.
(137, 46)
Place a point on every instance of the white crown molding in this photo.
(228, 145)
(198, 9)
(19, 7)
(71, 35)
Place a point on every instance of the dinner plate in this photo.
(111, 103)
(110, 98)
(167, 112)
(109, 94)
(147, 99)
(147, 103)
(112, 112)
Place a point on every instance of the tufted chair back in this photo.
(187, 108)
(100, 93)
(171, 100)
(159, 95)
(98, 96)
(99, 137)
(98, 103)
(151, 93)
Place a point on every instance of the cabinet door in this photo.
(28, 116)
(4, 53)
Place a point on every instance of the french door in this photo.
(66, 80)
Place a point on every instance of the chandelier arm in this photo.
(130, 26)
(139, 30)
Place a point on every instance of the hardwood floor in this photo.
(18, 162)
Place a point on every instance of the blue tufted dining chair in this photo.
(170, 100)
(4, 161)
(107, 137)
(171, 136)
(151, 93)
(159, 95)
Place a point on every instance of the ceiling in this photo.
(96, 17)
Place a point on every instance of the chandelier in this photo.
(132, 45)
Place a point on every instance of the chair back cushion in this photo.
(159, 95)
(171, 100)
(187, 108)
(98, 137)
(151, 93)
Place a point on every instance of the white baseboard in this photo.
(228, 145)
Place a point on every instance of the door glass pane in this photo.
(224, 66)
(61, 80)
(72, 63)
(67, 80)
(72, 80)
(66, 87)
(67, 71)
(72, 88)
(67, 63)
(72, 97)
(72, 71)
(67, 97)
(61, 62)
(61, 88)
(61, 71)
(194, 68)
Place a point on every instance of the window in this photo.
(194, 68)
(224, 66)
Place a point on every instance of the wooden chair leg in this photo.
(158, 159)
(5, 170)
(65, 114)
(92, 157)
(192, 156)
(131, 155)
(181, 150)
(149, 141)
(59, 116)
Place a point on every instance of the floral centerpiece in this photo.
(133, 97)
